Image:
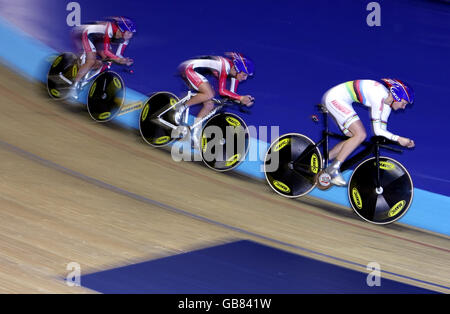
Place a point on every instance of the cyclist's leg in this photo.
(205, 95)
(339, 105)
(345, 148)
(91, 57)
(91, 60)
(99, 63)
(204, 90)
(348, 121)
(85, 67)
(198, 82)
(337, 148)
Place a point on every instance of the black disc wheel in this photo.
(61, 74)
(225, 141)
(385, 203)
(292, 164)
(106, 96)
(154, 134)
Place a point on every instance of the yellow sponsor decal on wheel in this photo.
(57, 61)
(128, 108)
(282, 144)
(74, 71)
(145, 112)
(281, 186)
(104, 115)
(357, 198)
(173, 102)
(396, 208)
(314, 163)
(91, 92)
(161, 140)
(55, 92)
(232, 121)
(117, 82)
(232, 160)
(204, 143)
(386, 165)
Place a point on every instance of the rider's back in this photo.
(366, 92)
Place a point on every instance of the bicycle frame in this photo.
(372, 147)
(95, 73)
(160, 121)
(89, 75)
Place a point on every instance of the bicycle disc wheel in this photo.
(61, 75)
(154, 134)
(106, 96)
(389, 203)
(291, 165)
(225, 141)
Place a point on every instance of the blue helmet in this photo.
(124, 24)
(242, 64)
(400, 90)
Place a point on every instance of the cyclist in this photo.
(234, 66)
(381, 98)
(96, 39)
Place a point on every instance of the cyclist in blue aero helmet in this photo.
(399, 90)
(381, 98)
(124, 24)
(242, 64)
(96, 40)
(234, 68)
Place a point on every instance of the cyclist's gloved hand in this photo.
(406, 142)
(129, 61)
(247, 100)
(125, 61)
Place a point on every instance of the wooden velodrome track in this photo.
(73, 190)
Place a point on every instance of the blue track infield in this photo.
(241, 267)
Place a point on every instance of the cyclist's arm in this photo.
(107, 43)
(380, 113)
(234, 85)
(121, 49)
(223, 91)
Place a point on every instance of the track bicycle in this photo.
(380, 189)
(106, 94)
(224, 136)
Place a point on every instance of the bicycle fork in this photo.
(379, 188)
